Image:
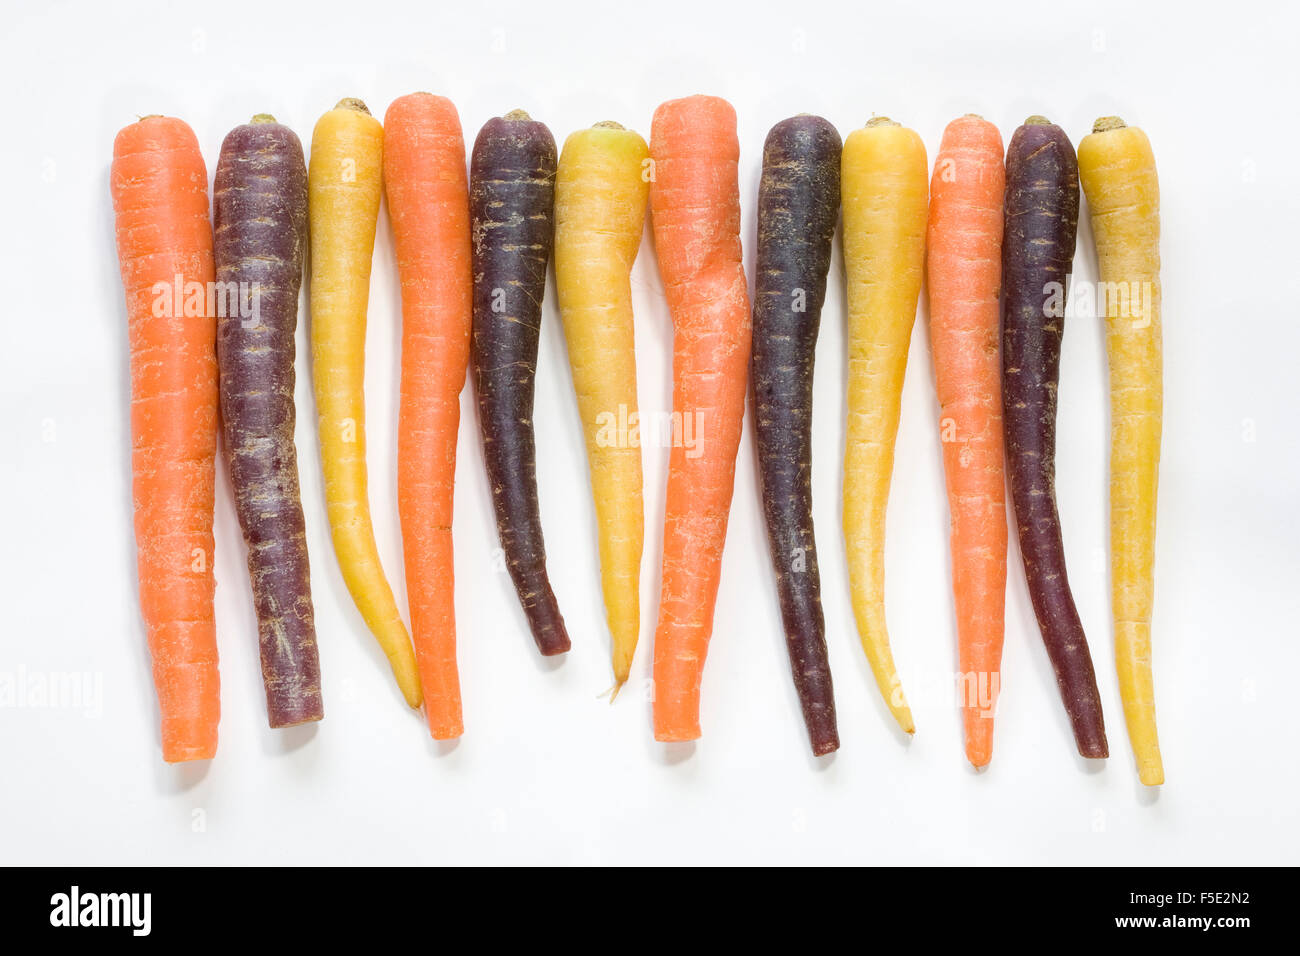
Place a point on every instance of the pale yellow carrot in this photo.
(600, 198)
(885, 188)
(1118, 172)
(345, 180)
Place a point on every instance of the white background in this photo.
(547, 770)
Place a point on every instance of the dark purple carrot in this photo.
(260, 219)
(511, 200)
(1041, 218)
(798, 206)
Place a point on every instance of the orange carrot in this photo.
(428, 206)
(964, 272)
(695, 211)
(164, 246)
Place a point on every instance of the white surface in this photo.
(547, 771)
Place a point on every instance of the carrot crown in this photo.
(1105, 123)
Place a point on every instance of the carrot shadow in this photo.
(175, 779)
(288, 740)
(545, 664)
(821, 764)
(674, 753)
(1090, 765)
(443, 749)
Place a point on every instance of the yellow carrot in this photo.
(1118, 173)
(600, 198)
(345, 180)
(885, 189)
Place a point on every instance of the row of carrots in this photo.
(213, 308)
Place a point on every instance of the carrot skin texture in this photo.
(512, 200)
(600, 201)
(798, 208)
(885, 185)
(1041, 220)
(428, 207)
(1119, 178)
(259, 205)
(964, 268)
(159, 186)
(695, 215)
(344, 184)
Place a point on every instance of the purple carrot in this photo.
(260, 219)
(798, 206)
(512, 199)
(1042, 217)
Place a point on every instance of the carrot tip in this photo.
(296, 720)
(1152, 774)
(613, 691)
(904, 717)
(414, 695)
(187, 754)
(677, 736)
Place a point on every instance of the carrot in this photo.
(512, 200)
(1041, 216)
(884, 185)
(695, 214)
(600, 199)
(963, 277)
(344, 184)
(1123, 192)
(798, 206)
(259, 207)
(428, 207)
(164, 246)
